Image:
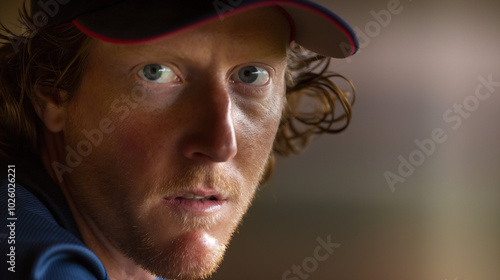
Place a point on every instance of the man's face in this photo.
(188, 124)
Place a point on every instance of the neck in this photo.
(118, 266)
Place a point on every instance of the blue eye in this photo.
(157, 73)
(251, 75)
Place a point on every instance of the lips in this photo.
(199, 202)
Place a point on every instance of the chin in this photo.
(193, 255)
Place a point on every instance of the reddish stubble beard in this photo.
(193, 254)
(138, 234)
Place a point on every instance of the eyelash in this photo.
(242, 86)
(268, 69)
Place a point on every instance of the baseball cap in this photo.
(314, 27)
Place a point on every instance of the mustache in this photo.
(218, 179)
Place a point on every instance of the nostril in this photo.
(209, 149)
(201, 156)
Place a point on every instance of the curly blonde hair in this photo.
(57, 57)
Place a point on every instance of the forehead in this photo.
(260, 32)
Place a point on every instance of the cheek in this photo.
(108, 117)
(142, 120)
(257, 128)
(137, 145)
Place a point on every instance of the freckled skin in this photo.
(201, 128)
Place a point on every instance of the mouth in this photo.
(197, 202)
(194, 197)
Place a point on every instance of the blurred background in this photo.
(437, 217)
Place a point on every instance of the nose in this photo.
(211, 134)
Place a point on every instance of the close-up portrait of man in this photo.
(134, 135)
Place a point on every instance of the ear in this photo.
(49, 107)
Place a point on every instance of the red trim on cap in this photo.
(92, 34)
(146, 40)
(63, 25)
(290, 22)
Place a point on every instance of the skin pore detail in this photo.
(163, 193)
